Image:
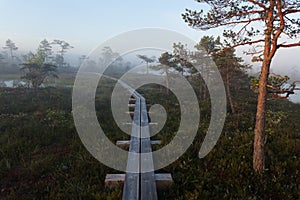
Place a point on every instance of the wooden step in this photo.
(127, 123)
(130, 123)
(122, 143)
(114, 180)
(162, 180)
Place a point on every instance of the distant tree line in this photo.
(46, 62)
(9, 57)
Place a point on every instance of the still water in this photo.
(295, 97)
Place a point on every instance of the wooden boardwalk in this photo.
(139, 185)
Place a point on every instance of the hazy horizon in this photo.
(87, 24)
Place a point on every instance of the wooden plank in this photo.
(132, 180)
(130, 113)
(131, 101)
(148, 185)
(127, 123)
(114, 180)
(163, 180)
(121, 143)
(139, 185)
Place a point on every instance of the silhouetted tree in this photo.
(10, 46)
(167, 61)
(81, 59)
(112, 59)
(64, 46)
(228, 63)
(182, 56)
(46, 48)
(147, 60)
(207, 46)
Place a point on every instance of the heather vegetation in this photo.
(43, 157)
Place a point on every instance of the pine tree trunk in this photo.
(228, 91)
(259, 133)
(167, 80)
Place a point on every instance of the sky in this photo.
(87, 23)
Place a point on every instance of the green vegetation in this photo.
(37, 69)
(42, 156)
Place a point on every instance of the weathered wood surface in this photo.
(123, 143)
(140, 180)
(132, 180)
(114, 180)
(142, 183)
(148, 185)
(162, 181)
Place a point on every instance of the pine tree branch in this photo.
(242, 21)
(293, 22)
(245, 13)
(289, 45)
(291, 11)
(237, 45)
(243, 28)
(214, 24)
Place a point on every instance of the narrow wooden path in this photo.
(139, 185)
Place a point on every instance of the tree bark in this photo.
(259, 132)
